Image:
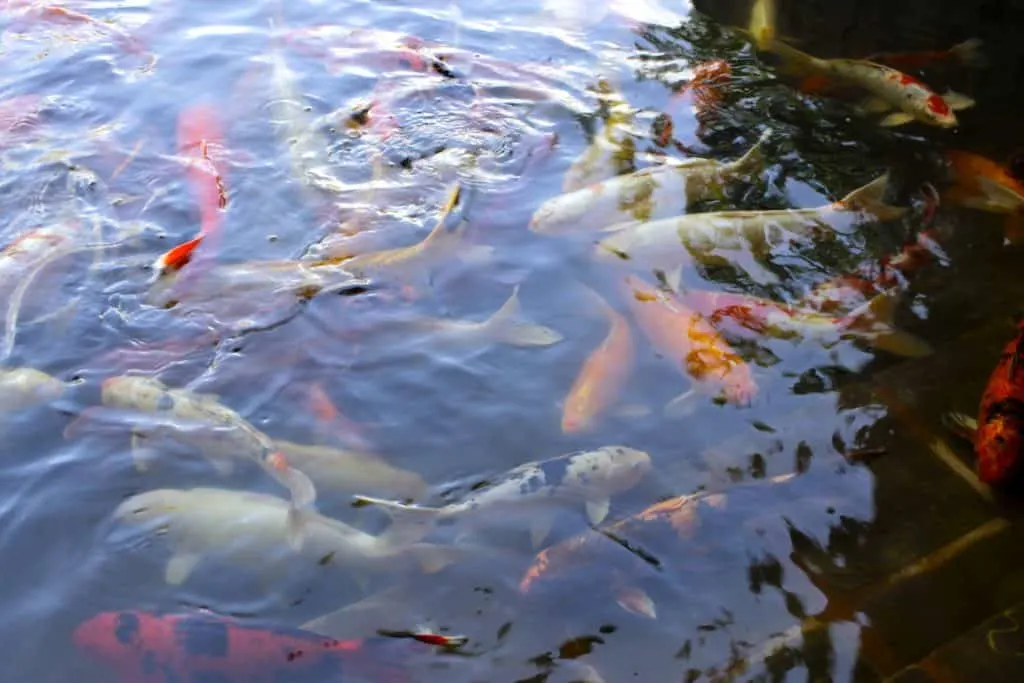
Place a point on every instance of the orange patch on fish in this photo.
(685, 337)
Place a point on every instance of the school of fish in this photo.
(646, 214)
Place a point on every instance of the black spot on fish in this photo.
(127, 629)
(202, 637)
(210, 677)
(1009, 407)
(295, 654)
(554, 470)
(326, 667)
(149, 664)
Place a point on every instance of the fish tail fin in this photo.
(753, 161)
(507, 327)
(303, 497)
(444, 237)
(871, 198)
(875, 322)
(762, 23)
(432, 558)
(969, 53)
(998, 196)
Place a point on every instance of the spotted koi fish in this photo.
(998, 433)
(907, 98)
(143, 647)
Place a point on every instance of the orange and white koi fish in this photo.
(685, 338)
(907, 98)
(603, 374)
(872, 322)
(201, 142)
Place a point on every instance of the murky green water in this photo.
(773, 577)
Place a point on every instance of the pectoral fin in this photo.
(962, 425)
(958, 101)
(683, 405)
(897, 118)
(874, 105)
(180, 567)
(597, 510)
(636, 601)
(540, 527)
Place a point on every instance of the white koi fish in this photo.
(218, 432)
(671, 242)
(340, 470)
(251, 530)
(650, 194)
(590, 477)
(24, 388)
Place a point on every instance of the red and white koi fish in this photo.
(890, 90)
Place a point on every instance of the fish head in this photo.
(610, 469)
(998, 444)
(117, 639)
(135, 392)
(938, 112)
(155, 505)
(26, 387)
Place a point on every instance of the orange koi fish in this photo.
(332, 420)
(128, 42)
(967, 53)
(143, 647)
(684, 336)
(602, 376)
(998, 433)
(201, 141)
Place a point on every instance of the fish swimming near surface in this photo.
(613, 149)
(24, 388)
(351, 471)
(647, 195)
(688, 340)
(203, 422)
(602, 375)
(998, 432)
(905, 97)
(672, 242)
(589, 477)
(983, 184)
(144, 647)
(250, 531)
(872, 322)
(968, 53)
(623, 549)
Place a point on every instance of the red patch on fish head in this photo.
(998, 446)
(937, 105)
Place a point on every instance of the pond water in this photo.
(328, 132)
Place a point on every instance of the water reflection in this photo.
(416, 254)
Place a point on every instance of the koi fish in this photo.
(251, 531)
(891, 91)
(968, 53)
(669, 242)
(650, 194)
(998, 432)
(200, 141)
(504, 327)
(673, 520)
(144, 647)
(202, 422)
(690, 342)
(872, 322)
(441, 243)
(24, 388)
(349, 471)
(590, 477)
(128, 42)
(602, 375)
(983, 184)
(612, 151)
